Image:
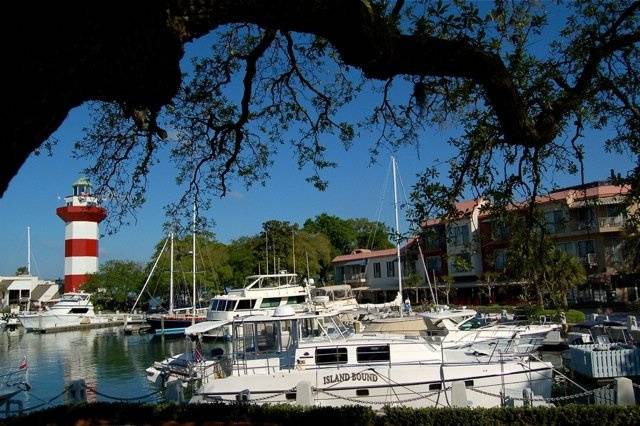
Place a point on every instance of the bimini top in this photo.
(449, 314)
(270, 281)
(297, 316)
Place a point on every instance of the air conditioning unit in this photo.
(591, 259)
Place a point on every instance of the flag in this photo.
(23, 364)
(197, 352)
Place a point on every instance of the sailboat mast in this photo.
(29, 250)
(193, 250)
(293, 243)
(266, 247)
(395, 202)
(171, 279)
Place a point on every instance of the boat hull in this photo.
(412, 385)
(48, 322)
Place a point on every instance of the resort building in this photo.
(585, 221)
(24, 291)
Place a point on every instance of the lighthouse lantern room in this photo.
(81, 215)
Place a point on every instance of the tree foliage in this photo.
(545, 269)
(213, 270)
(521, 91)
(346, 235)
(116, 285)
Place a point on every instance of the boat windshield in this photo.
(74, 297)
(473, 323)
(323, 328)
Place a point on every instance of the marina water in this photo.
(108, 360)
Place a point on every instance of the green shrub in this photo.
(565, 415)
(121, 413)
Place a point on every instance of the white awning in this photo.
(22, 285)
(203, 327)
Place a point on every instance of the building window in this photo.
(585, 218)
(585, 247)
(434, 263)
(377, 273)
(501, 259)
(613, 252)
(569, 248)
(331, 356)
(459, 235)
(461, 263)
(372, 353)
(391, 271)
(554, 221)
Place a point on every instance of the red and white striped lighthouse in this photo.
(81, 215)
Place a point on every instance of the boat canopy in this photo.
(334, 292)
(270, 281)
(204, 327)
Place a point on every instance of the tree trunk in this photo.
(540, 298)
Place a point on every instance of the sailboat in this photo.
(401, 324)
(176, 320)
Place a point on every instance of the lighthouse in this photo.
(81, 215)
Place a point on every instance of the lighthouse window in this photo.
(331, 356)
(373, 353)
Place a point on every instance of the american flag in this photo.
(197, 352)
(23, 364)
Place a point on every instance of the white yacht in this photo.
(260, 295)
(72, 310)
(334, 297)
(462, 327)
(315, 359)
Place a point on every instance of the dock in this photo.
(112, 320)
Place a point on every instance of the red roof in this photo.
(573, 194)
(362, 254)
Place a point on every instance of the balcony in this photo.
(611, 224)
(600, 224)
(359, 278)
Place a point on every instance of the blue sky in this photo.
(354, 191)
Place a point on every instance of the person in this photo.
(563, 323)
(407, 306)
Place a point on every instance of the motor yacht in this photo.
(72, 310)
(273, 358)
(462, 327)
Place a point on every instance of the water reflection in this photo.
(109, 361)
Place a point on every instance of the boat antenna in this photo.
(29, 250)
(193, 248)
(306, 255)
(395, 202)
(171, 278)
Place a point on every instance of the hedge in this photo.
(101, 413)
